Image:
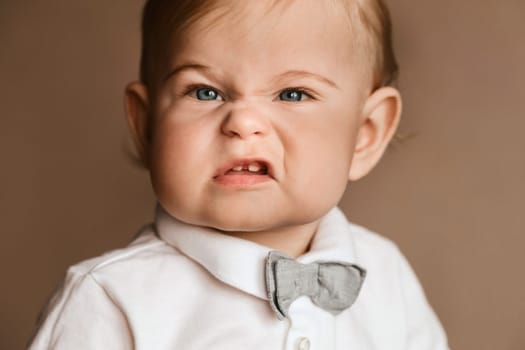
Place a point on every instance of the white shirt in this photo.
(178, 286)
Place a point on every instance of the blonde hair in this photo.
(166, 20)
(375, 18)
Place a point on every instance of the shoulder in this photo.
(147, 270)
(145, 258)
(88, 272)
(145, 244)
(387, 267)
(392, 293)
(386, 271)
(84, 302)
(383, 259)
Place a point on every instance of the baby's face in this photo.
(255, 126)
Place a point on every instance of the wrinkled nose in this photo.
(244, 123)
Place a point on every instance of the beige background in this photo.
(452, 196)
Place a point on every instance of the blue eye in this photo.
(293, 95)
(207, 94)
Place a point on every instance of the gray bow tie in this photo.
(334, 286)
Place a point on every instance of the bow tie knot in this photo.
(334, 286)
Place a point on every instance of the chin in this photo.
(239, 223)
(255, 221)
(246, 218)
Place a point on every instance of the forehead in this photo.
(315, 33)
(261, 13)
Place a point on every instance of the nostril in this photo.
(244, 123)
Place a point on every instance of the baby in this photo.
(251, 117)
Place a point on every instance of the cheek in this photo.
(329, 144)
(176, 157)
(324, 158)
(168, 152)
(181, 144)
(177, 168)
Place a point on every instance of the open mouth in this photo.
(244, 173)
(251, 168)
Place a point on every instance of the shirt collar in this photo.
(241, 263)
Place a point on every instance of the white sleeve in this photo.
(424, 331)
(81, 315)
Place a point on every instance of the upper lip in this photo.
(244, 161)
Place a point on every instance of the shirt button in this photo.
(303, 343)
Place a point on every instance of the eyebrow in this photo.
(286, 75)
(306, 74)
(185, 66)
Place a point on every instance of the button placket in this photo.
(303, 343)
(302, 334)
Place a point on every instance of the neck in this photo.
(293, 240)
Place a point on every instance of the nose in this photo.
(245, 122)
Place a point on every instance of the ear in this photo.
(137, 113)
(381, 115)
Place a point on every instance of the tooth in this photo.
(237, 168)
(254, 167)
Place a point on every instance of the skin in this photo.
(286, 86)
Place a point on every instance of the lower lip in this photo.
(243, 180)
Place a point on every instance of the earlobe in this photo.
(136, 105)
(381, 115)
